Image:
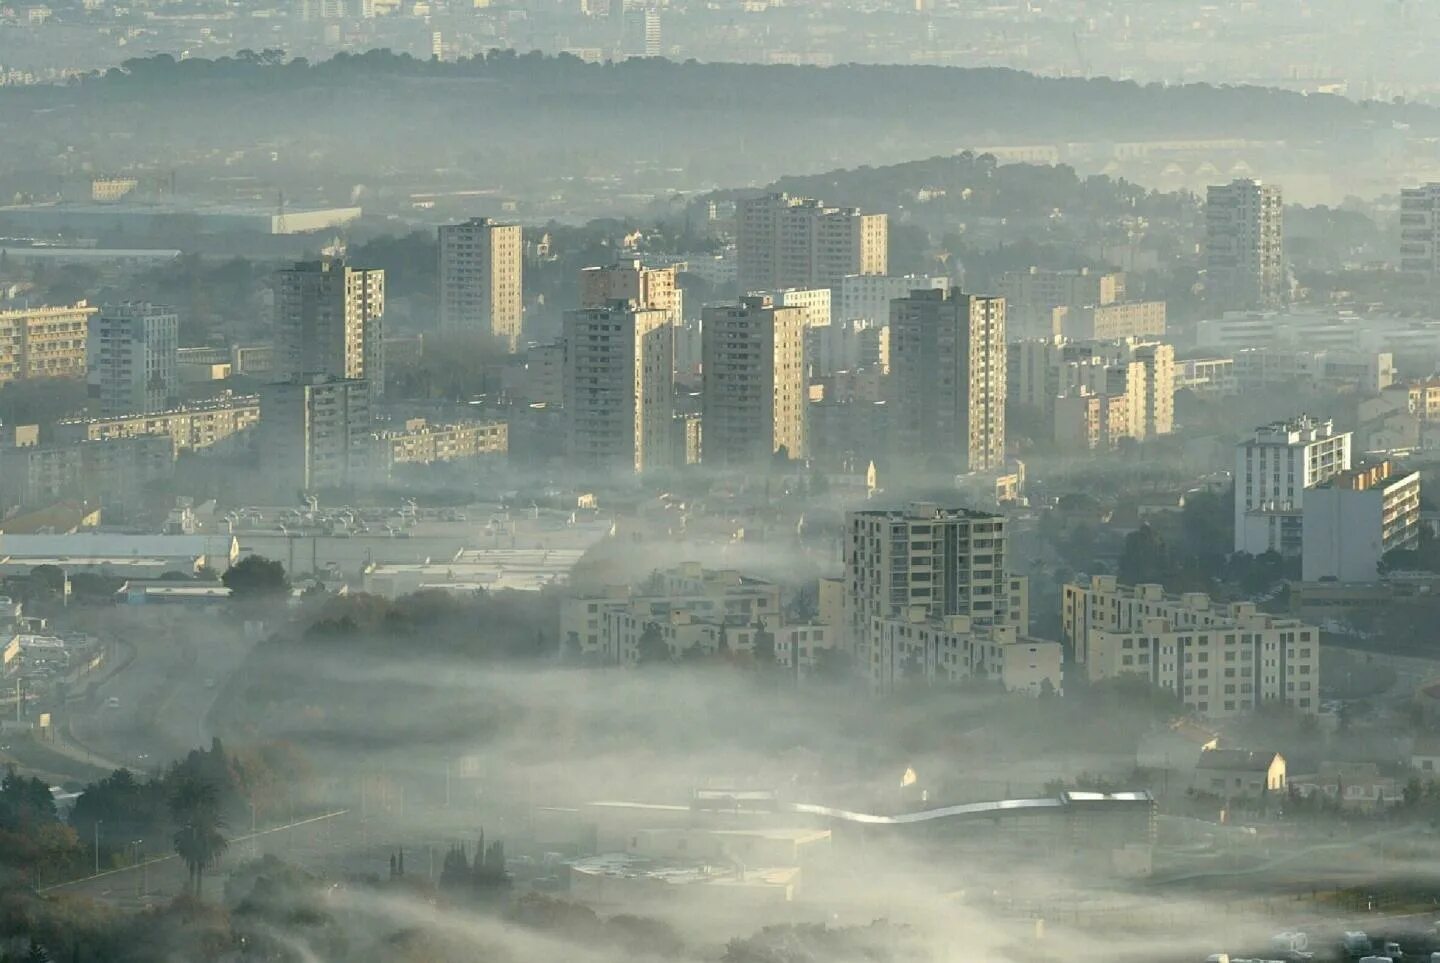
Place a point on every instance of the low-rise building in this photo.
(953, 649)
(193, 427)
(1353, 785)
(421, 443)
(1239, 772)
(1220, 661)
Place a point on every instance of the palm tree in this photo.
(198, 841)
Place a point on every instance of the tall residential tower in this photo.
(481, 278)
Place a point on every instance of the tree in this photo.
(255, 578)
(199, 842)
(1146, 557)
(652, 646)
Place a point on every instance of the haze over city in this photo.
(726, 482)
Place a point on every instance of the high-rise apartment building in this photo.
(629, 280)
(1042, 371)
(1420, 232)
(798, 242)
(329, 321)
(481, 278)
(44, 342)
(947, 377)
(132, 349)
(937, 562)
(1244, 245)
(1354, 518)
(754, 383)
(1222, 661)
(867, 297)
(315, 433)
(619, 386)
(1273, 469)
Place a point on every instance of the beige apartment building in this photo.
(315, 433)
(192, 427)
(1220, 660)
(481, 279)
(1245, 245)
(952, 649)
(44, 342)
(421, 443)
(1420, 232)
(629, 280)
(619, 384)
(799, 242)
(946, 561)
(754, 383)
(329, 322)
(947, 377)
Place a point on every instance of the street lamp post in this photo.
(97, 846)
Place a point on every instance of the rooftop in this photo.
(1237, 760)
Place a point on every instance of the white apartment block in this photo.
(1268, 367)
(1221, 661)
(44, 342)
(1420, 231)
(754, 383)
(951, 649)
(131, 353)
(1207, 377)
(481, 279)
(1273, 471)
(329, 322)
(867, 297)
(949, 561)
(619, 386)
(653, 288)
(797, 242)
(947, 377)
(315, 434)
(1354, 518)
(1244, 245)
(814, 304)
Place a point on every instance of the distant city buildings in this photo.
(314, 434)
(1274, 470)
(132, 351)
(1245, 245)
(44, 342)
(329, 322)
(1094, 393)
(754, 383)
(652, 288)
(619, 386)
(1221, 661)
(481, 277)
(797, 242)
(867, 297)
(1420, 232)
(947, 377)
(192, 427)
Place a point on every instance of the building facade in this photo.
(192, 427)
(947, 377)
(481, 279)
(619, 386)
(1220, 661)
(653, 288)
(1273, 471)
(1352, 519)
(867, 297)
(754, 383)
(329, 322)
(315, 434)
(1420, 232)
(797, 242)
(44, 342)
(1244, 245)
(132, 358)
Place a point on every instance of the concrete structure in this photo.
(1367, 372)
(1352, 519)
(754, 383)
(1420, 232)
(1207, 377)
(948, 561)
(155, 218)
(1123, 388)
(796, 242)
(1273, 470)
(421, 443)
(194, 427)
(1033, 296)
(114, 472)
(619, 387)
(1221, 661)
(44, 342)
(652, 288)
(867, 297)
(947, 377)
(1244, 245)
(91, 550)
(475, 570)
(481, 276)
(329, 322)
(315, 434)
(917, 648)
(131, 353)
(814, 303)
(1127, 319)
